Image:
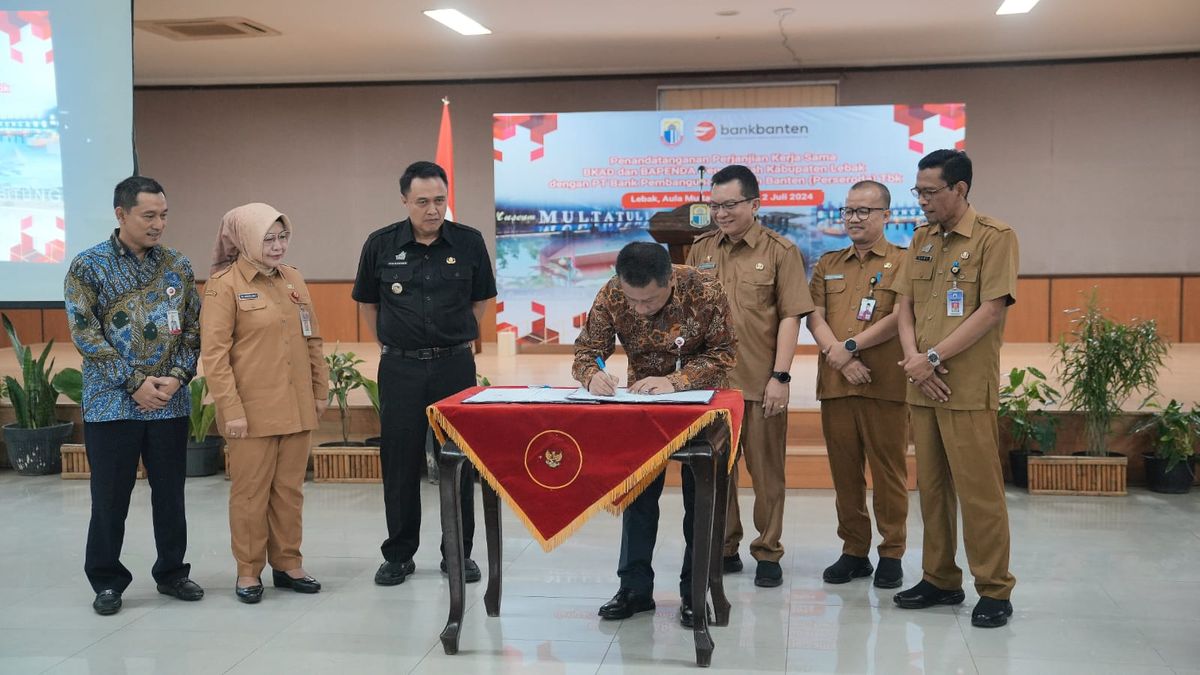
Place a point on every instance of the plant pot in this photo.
(346, 463)
(36, 452)
(1175, 482)
(204, 459)
(374, 442)
(340, 444)
(1018, 464)
(1078, 474)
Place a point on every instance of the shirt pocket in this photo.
(885, 301)
(968, 281)
(756, 290)
(457, 273)
(394, 282)
(251, 304)
(921, 276)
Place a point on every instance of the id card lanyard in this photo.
(866, 306)
(954, 296)
(174, 323)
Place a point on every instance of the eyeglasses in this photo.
(863, 212)
(728, 206)
(282, 238)
(927, 193)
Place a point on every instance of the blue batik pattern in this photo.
(117, 307)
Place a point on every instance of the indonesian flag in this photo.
(445, 156)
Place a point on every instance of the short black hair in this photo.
(125, 195)
(955, 166)
(883, 190)
(641, 262)
(421, 169)
(740, 173)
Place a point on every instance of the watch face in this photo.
(782, 377)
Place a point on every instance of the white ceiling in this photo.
(365, 40)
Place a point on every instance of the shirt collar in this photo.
(405, 235)
(119, 249)
(245, 268)
(751, 236)
(880, 248)
(966, 224)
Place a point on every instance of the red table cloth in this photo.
(556, 464)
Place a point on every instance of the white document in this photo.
(701, 396)
(521, 395)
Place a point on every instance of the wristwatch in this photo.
(933, 357)
(782, 375)
(850, 345)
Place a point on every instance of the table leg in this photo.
(702, 553)
(491, 520)
(716, 579)
(450, 490)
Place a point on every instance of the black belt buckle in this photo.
(427, 354)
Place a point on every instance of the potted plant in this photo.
(1171, 468)
(1100, 367)
(1023, 402)
(203, 449)
(345, 461)
(34, 441)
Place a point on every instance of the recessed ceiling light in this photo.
(728, 12)
(457, 21)
(1015, 7)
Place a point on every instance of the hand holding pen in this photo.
(602, 384)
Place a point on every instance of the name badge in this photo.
(247, 296)
(174, 325)
(924, 258)
(706, 266)
(866, 309)
(834, 277)
(305, 322)
(954, 302)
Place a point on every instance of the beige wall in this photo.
(1095, 164)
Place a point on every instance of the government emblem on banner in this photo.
(670, 130)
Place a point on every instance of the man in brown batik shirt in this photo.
(674, 324)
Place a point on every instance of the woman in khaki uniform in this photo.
(262, 353)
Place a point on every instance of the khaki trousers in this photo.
(764, 449)
(265, 501)
(859, 430)
(958, 466)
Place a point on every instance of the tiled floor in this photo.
(1105, 586)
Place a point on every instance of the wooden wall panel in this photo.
(54, 326)
(336, 310)
(366, 332)
(1124, 298)
(1029, 319)
(27, 323)
(1191, 310)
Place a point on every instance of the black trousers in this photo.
(639, 533)
(113, 449)
(406, 388)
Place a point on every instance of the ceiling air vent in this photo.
(206, 29)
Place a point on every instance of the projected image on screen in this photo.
(32, 223)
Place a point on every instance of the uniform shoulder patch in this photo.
(988, 221)
(222, 273)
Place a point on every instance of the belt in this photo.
(427, 353)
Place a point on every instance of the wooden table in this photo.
(707, 453)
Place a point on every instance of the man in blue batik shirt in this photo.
(133, 311)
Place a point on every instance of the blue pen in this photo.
(600, 362)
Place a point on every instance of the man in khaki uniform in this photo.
(860, 387)
(960, 278)
(763, 275)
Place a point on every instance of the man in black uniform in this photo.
(423, 284)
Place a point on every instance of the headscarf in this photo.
(241, 235)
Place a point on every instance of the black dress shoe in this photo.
(768, 574)
(991, 613)
(731, 564)
(847, 568)
(392, 573)
(304, 584)
(925, 595)
(687, 617)
(250, 595)
(470, 570)
(184, 589)
(624, 605)
(107, 602)
(889, 574)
